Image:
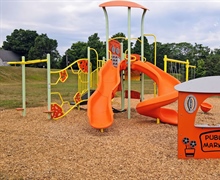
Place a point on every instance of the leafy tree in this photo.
(200, 68)
(77, 51)
(95, 43)
(20, 41)
(147, 50)
(42, 46)
(161, 50)
(33, 46)
(199, 58)
(200, 51)
(216, 51)
(120, 37)
(180, 51)
(212, 65)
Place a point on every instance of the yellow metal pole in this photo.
(88, 74)
(165, 63)
(187, 70)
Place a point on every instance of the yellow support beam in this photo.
(29, 61)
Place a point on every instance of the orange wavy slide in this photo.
(166, 94)
(100, 112)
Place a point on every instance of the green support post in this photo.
(129, 63)
(88, 74)
(48, 87)
(142, 54)
(23, 87)
(122, 82)
(107, 32)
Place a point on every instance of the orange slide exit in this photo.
(166, 94)
(100, 112)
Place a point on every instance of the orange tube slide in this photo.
(166, 94)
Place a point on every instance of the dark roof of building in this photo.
(7, 56)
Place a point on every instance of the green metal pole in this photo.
(48, 87)
(122, 82)
(142, 55)
(129, 63)
(88, 74)
(23, 87)
(155, 50)
(107, 32)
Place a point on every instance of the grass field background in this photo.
(36, 87)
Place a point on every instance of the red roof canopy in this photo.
(122, 3)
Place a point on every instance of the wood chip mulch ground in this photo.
(34, 147)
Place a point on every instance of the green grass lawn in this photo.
(36, 87)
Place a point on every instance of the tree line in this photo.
(32, 45)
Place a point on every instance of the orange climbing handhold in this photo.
(57, 110)
(63, 75)
(77, 97)
(83, 65)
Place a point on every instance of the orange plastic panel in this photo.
(63, 75)
(195, 141)
(134, 94)
(115, 49)
(77, 97)
(83, 65)
(57, 110)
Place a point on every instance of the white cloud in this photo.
(69, 21)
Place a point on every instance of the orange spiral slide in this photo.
(166, 94)
(100, 112)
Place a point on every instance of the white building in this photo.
(7, 56)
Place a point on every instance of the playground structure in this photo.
(193, 141)
(133, 63)
(191, 95)
(99, 105)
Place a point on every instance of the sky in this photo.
(70, 21)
